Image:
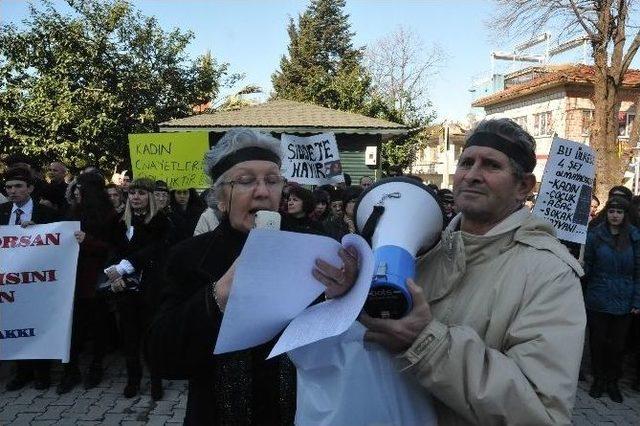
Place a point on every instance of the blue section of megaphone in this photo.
(393, 265)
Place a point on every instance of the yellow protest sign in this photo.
(175, 157)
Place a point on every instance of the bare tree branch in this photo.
(606, 23)
(401, 67)
(580, 18)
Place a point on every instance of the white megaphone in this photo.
(399, 217)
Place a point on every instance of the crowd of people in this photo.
(128, 227)
(496, 329)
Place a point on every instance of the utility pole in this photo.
(445, 172)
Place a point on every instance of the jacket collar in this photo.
(461, 249)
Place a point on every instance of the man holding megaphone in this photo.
(496, 322)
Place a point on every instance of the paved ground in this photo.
(105, 404)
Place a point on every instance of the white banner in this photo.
(37, 282)
(565, 191)
(313, 160)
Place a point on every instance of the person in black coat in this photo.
(241, 387)
(136, 278)
(22, 210)
(335, 224)
(300, 205)
(100, 235)
(186, 208)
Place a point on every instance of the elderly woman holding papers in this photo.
(241, 387)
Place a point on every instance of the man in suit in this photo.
(21, 210)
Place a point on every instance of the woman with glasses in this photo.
(612, 272)
(242, 387)
(135, 278)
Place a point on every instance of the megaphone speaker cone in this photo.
(399, 217)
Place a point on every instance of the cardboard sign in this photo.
(37, 282)
(176, 158)
(565, 193)
(313, 160)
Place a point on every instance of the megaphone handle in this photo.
(370, 226)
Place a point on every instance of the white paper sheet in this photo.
(273, 284)
(335, 316)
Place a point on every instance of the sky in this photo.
(251, 36)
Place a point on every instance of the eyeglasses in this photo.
(249, 182)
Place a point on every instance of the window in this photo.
(542, 124)
(587, 121)
(625, 124)
(521, 121)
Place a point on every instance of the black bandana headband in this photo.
(245, 154)
(508, 148)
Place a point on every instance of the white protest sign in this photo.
(313, 160)
(565, 192)
(37, 282)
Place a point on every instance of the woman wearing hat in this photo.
(242, 387)
(146, 236)
(612, 271)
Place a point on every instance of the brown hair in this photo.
(618, 202)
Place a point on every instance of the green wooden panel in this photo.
(353, 163)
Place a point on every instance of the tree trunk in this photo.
(611, 161)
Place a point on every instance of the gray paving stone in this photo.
(66, 399)
(178, 415)
(39, 405)
(172, 394)
(92, 393)
(23, 419)
(144, 402)
(82, 406)
(53, 412)
(107, 400)
(122, 406)
(164, 407)
(95, 413)
(62, 422)
(105, 405)
(10, 412)
(27, 396)
(182, 401)
(112, 419)
(157, 420)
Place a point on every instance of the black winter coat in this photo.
(240, 388)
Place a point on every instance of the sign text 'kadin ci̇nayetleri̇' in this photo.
(176, 158)
(312, 160)
(565, 192)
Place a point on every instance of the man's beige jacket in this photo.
(506, 340)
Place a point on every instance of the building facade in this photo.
(436, 163)
(557, 100)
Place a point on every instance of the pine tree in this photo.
(322, 65)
